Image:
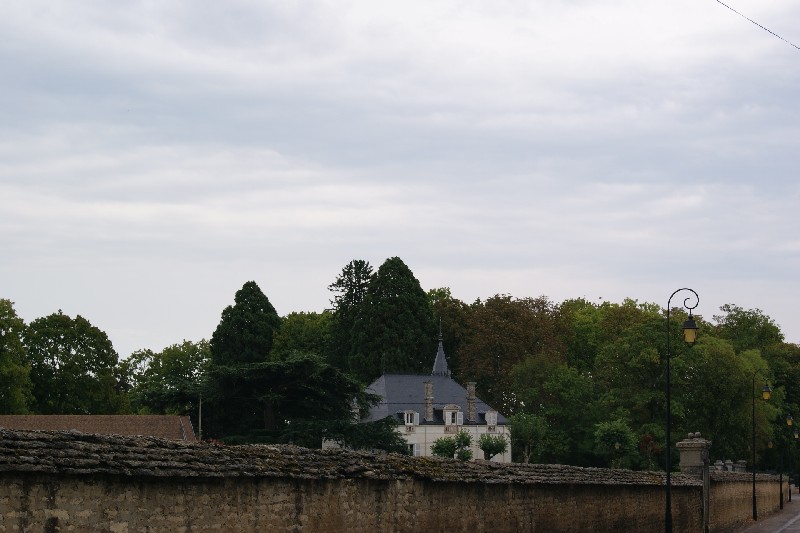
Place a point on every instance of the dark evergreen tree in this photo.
(242, 339)
(287, 400)
(72, 367)
(351, 290)
(395, 331)
(244, 334)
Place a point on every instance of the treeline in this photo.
(582, 382)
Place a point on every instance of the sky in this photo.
(157, 155)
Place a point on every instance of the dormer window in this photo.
(411, 418)
(453, 416)
(491, 418)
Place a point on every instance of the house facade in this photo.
(429, 407)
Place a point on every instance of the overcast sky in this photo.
(156, 155)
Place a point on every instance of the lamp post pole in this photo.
(789, 422)
(689, 337)
(766, 392)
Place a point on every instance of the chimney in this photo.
(429, 401)
(472, 408)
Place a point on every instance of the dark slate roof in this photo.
(164, 426)
(440, 364)
(401, 392)
(406, 392)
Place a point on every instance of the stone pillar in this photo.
(429, 401)
(694, 462)
(694, 454)
(740, 466)
(472, 405)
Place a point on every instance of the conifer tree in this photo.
(244, 334)
(395, 331)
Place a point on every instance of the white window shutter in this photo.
(459, 418)
(416, 418)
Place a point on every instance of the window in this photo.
(411, 418)
(491, 418)
(453, 418)
(413, 450)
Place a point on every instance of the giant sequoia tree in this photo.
(395, 330)
(245, 331)
(242, 339)
(72, 367)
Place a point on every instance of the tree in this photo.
(303, 332)
(268, 400)
(350, 289)
(169, 382)
(395, 331)
(351, 434)
(15, 379)
(747, 328)
(569, 404)
(453, 447)
(246, 329)
(528, 436)
(708, 376)
(492, 445)
(503, 332)
(72, 367)
(617, 442)
(452, 318)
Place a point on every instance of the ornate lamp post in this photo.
(689, 337)
(766, 393)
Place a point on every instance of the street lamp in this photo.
(689, 337)
(766, 393)
(789, 422)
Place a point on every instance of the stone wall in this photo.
(731, 497)
(37, 502)
(52, 481)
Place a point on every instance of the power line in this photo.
(759, 25)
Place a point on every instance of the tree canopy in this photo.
(395, 331)
(245, 331)
(72, 367)
(574, 378)
(15, 379)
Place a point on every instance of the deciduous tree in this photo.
(169, 381)
(72, 367)
(15, 380)
(492, 445)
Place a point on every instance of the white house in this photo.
(434, 406)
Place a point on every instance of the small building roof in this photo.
(406, 392)
(165, 426)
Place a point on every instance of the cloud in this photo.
(155, 156)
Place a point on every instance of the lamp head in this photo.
(766, 392)
(789, 420)
(690, 330)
